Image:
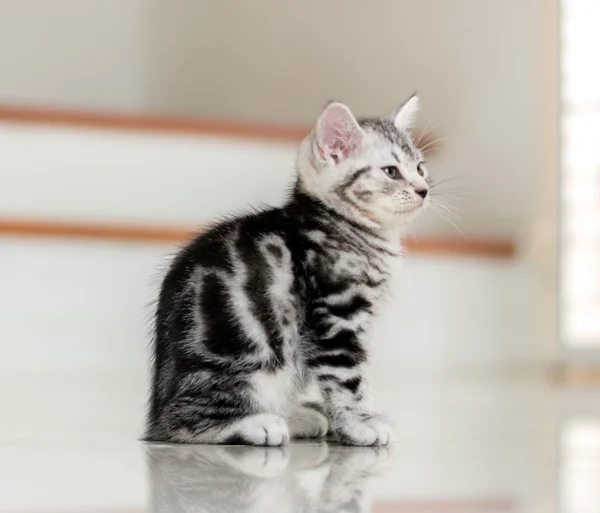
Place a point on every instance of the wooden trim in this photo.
(173, 234)
(577, 375)
(150, 123)
(499, 248)
(92, 230)
(441, 506)
(171, 124)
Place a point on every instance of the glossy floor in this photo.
(478, 445)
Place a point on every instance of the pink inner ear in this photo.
(335, 152)
(338, 134)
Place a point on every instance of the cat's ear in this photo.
(405, 115)
(337, 133)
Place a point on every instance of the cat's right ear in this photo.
(337, 133)
(404, 116)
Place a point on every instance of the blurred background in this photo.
(127, 124)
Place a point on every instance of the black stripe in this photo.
(355, 176)
(395, 156)
(223, 335)
(337, 360)
(328, 377)
(347, 310)
(258, 277)
(352, 384)
(344, 339)
(236, 439)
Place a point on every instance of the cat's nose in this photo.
(422, 192)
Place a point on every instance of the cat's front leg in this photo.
(352, 422)
(343, 385)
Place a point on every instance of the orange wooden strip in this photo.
(485, 247)
(449, 506)
(150, 123)
(172, 234)
(35, 228)
(170, 124)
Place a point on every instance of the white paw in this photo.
(308, 423)
(365, 432)
(263, 429)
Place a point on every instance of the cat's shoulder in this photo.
(212, 246)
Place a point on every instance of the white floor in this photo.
(69, 443)
(464, 443)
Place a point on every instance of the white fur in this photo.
(407, 113)
(307, 423)
(274, 391)
(263, 429)
(339, 146)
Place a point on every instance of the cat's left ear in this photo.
(405, 115)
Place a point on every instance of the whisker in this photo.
(455, 189)
(451, 213)
(448, 180)
(412, 229)
(430, 128)
(433, 143)
(449, 216)
(453, 208)
(450, 194)
(452, 191)
(453, 223)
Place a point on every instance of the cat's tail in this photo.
(162, 374)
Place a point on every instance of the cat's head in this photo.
(368, 169)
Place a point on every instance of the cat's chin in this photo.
(409, 214)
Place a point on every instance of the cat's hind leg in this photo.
(262, 429)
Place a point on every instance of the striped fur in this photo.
(261, 305)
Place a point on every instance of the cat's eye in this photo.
(421, 169)
(392, 171)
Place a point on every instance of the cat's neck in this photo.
(306, 209)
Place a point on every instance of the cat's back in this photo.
(241, 251)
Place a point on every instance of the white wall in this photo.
(77, 304)
(72, 306)
(122, 176)
(72, 52)
(478, 64)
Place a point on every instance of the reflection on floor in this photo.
(522, 446)
(307, 477)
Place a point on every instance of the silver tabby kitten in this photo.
(258, 307)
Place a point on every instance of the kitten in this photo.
(259, 306)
